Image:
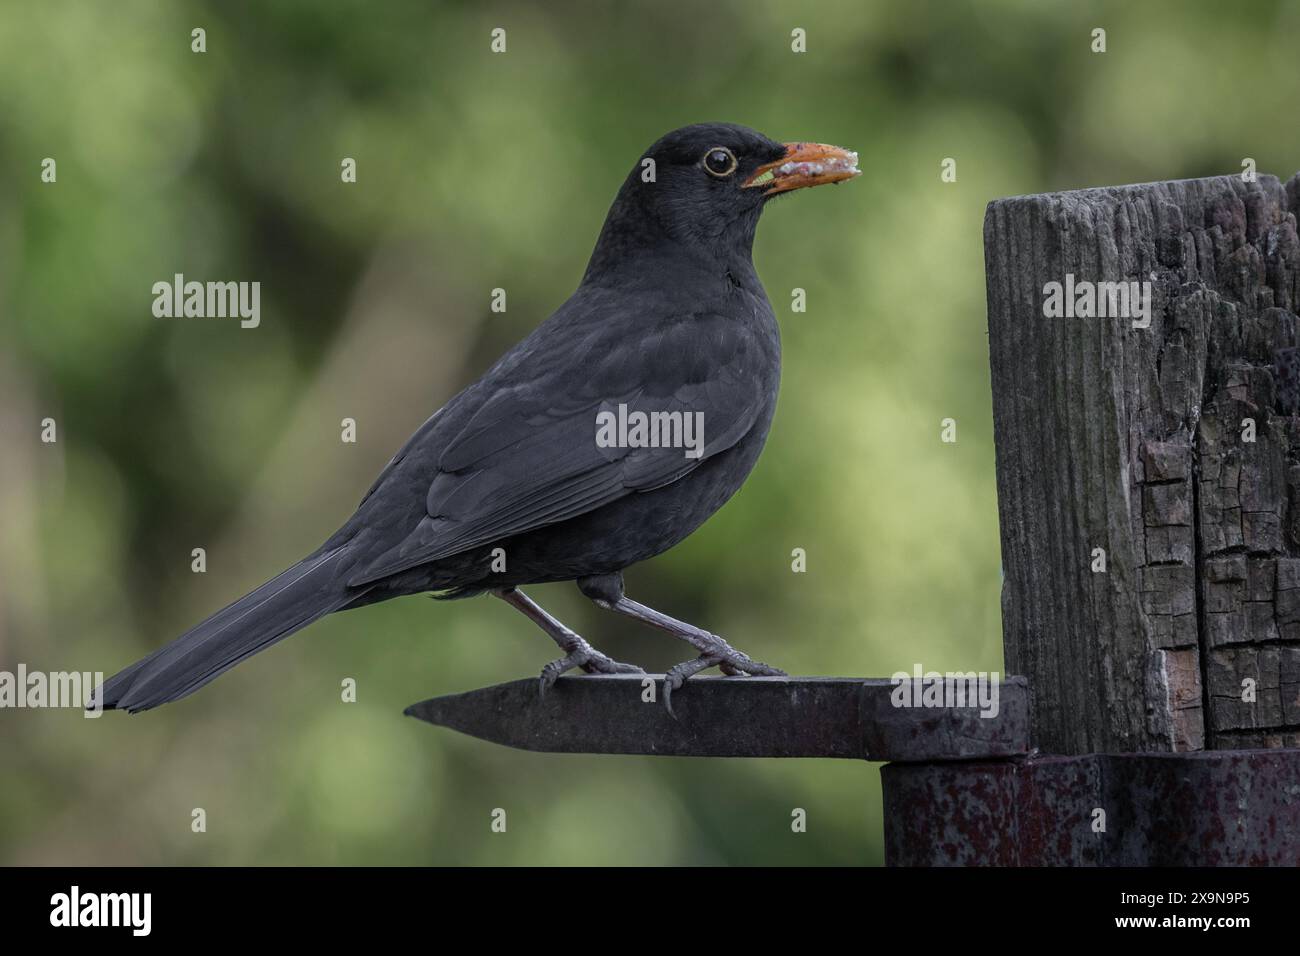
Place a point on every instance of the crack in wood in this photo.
(1173, 448)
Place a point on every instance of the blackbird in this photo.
(604, 438)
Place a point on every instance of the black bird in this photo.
(538, 471)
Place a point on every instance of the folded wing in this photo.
(529, 455)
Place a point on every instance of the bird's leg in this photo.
(607, 592)
(577, 652)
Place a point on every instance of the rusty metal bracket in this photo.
(847, 717)
(960, 788)
(1207, 808)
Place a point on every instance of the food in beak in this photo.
(805, 164)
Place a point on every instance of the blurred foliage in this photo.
(476, 171)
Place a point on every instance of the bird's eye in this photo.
(719, 162)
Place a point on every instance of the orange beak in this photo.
(804, 164)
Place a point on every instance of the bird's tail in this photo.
(307, 591)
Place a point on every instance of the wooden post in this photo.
(1148, 479)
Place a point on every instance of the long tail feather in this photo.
(288, 602)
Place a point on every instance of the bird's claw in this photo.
(583, 655)
(732, 663)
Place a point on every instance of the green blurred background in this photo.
(478, 171)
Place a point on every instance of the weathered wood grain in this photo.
(1130, 440)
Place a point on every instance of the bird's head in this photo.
(702, 188)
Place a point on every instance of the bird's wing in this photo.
(528, 457)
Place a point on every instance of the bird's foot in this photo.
(581, 654)
(730, 661)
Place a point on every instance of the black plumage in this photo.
(670, 316)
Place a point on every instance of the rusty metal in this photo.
(1209, 808)
(733, 717)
